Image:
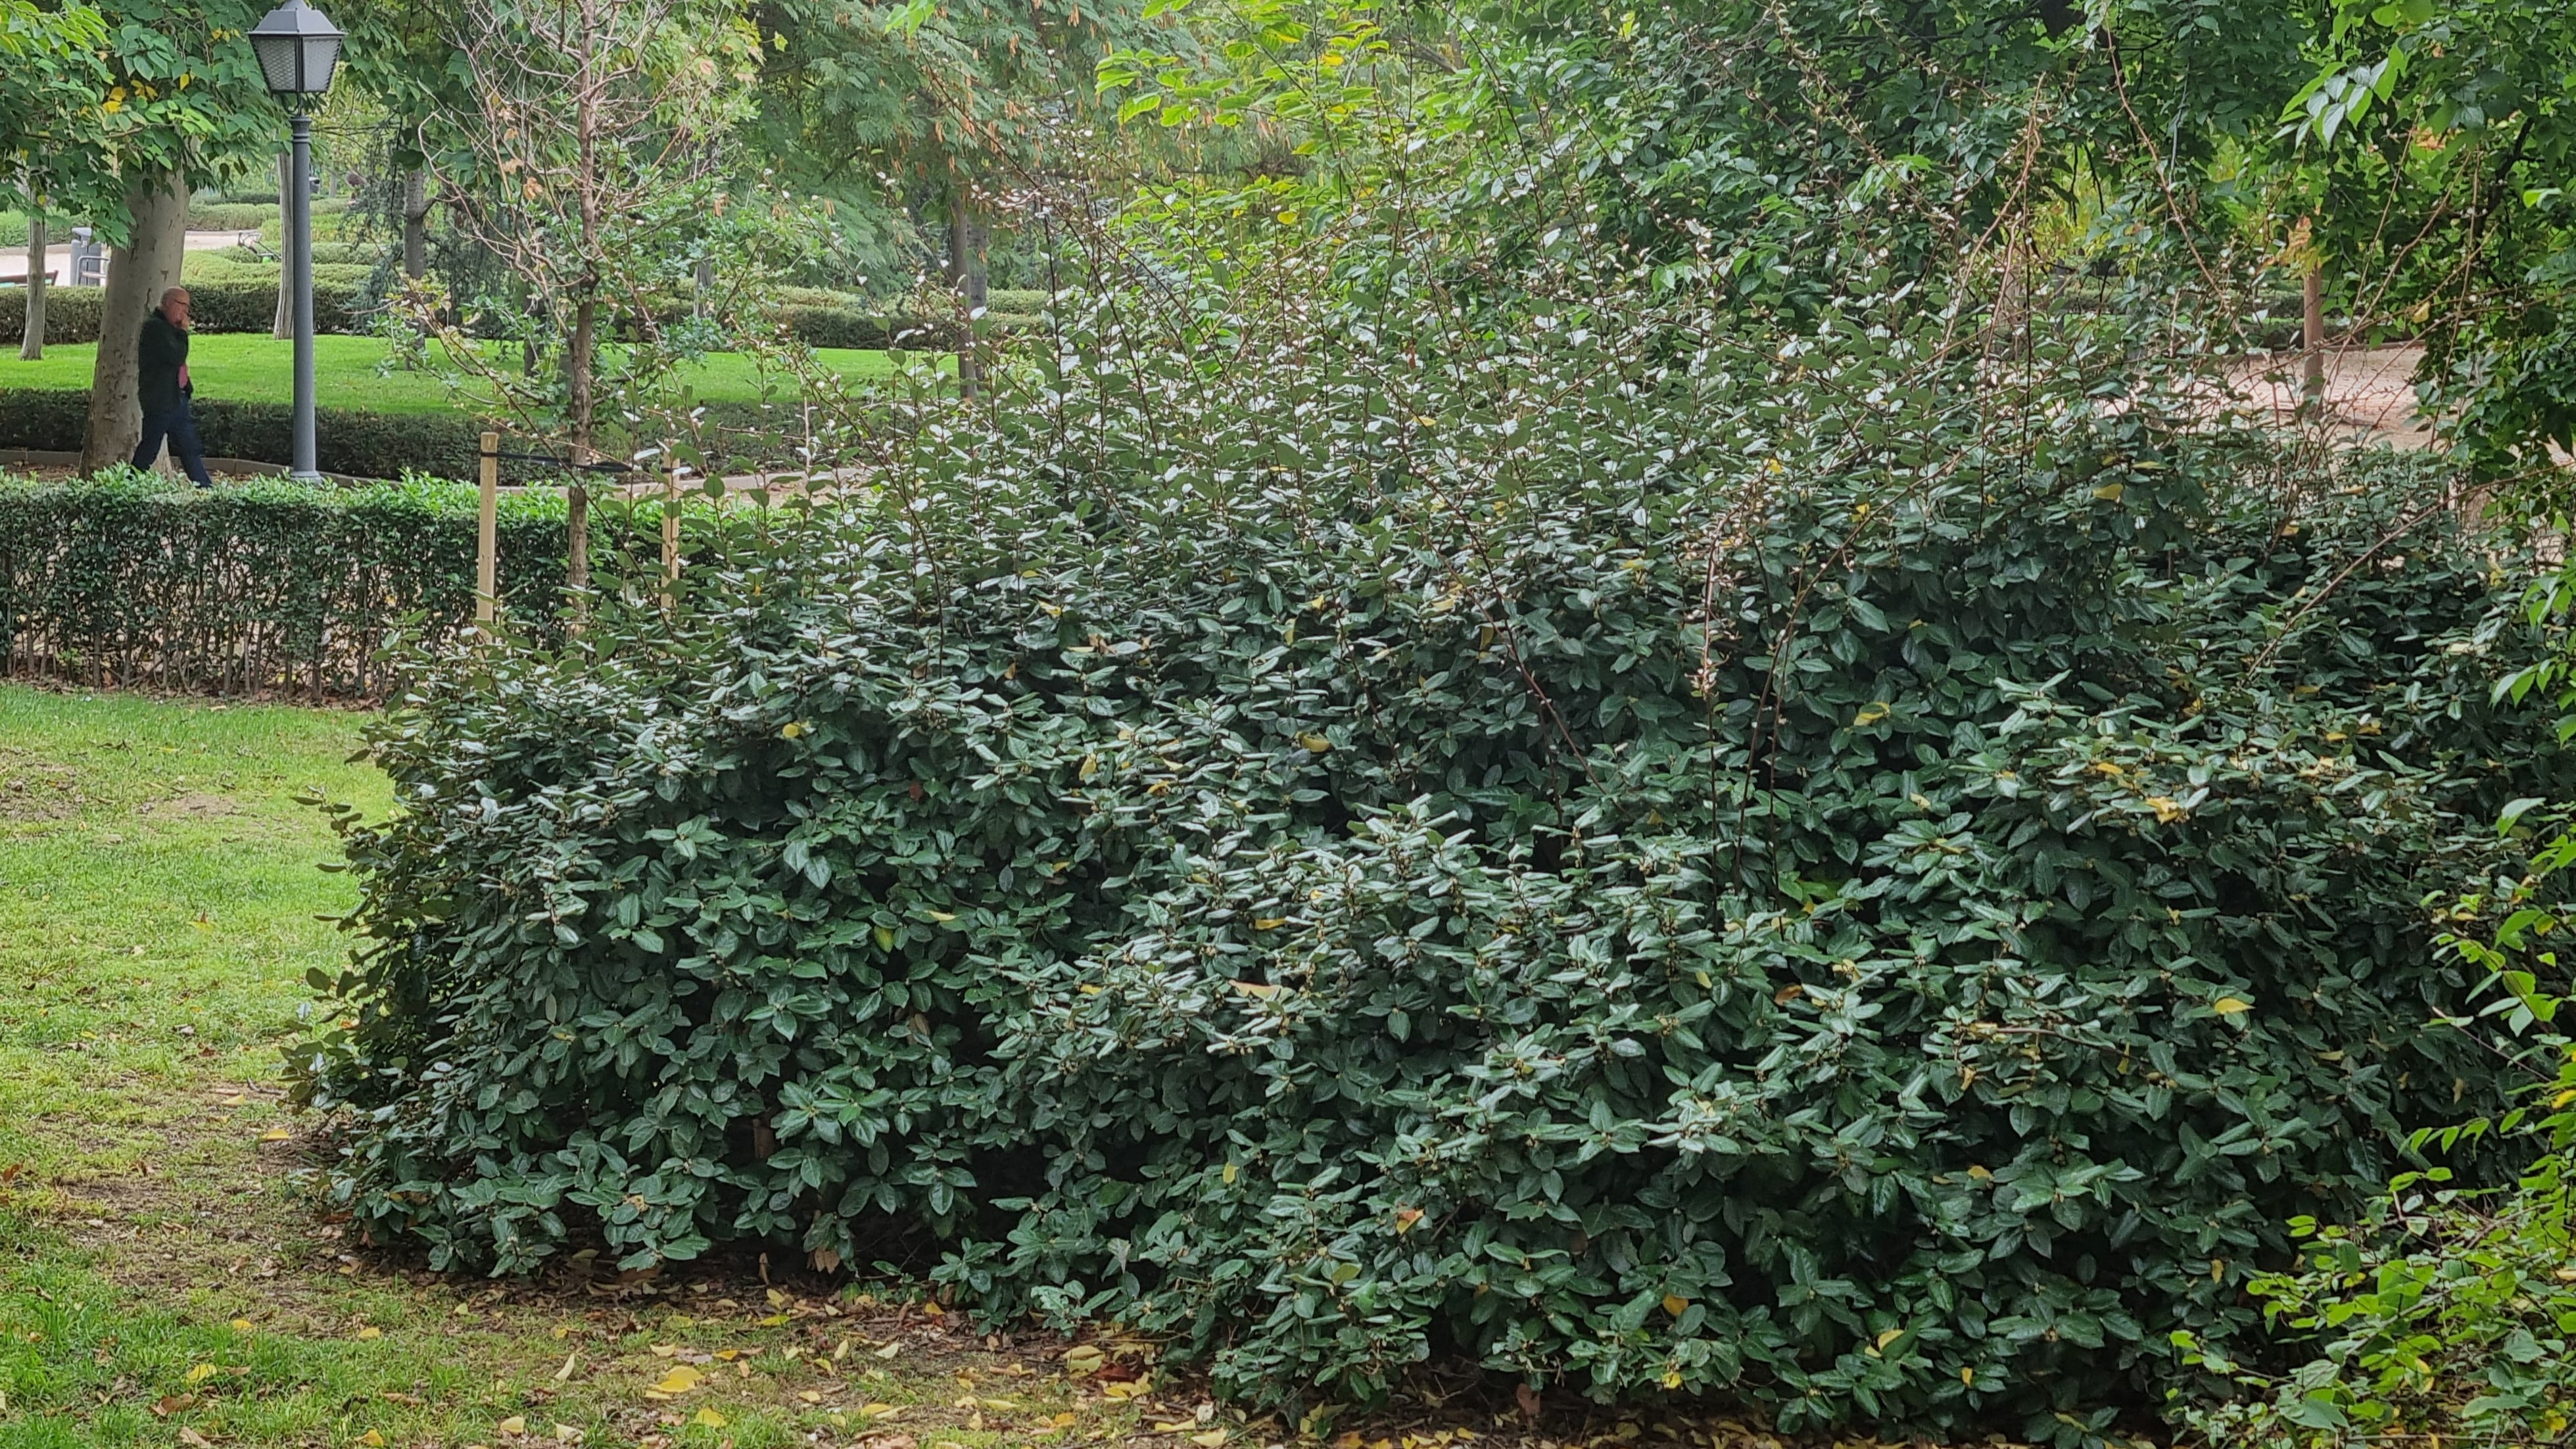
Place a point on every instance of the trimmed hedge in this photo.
(270, 586)
(73, 314)
(366, 444)
(353, 441)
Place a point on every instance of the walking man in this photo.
(163, 388)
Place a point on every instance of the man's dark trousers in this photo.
(180, 428)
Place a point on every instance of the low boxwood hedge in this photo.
(363, 443)
(264, 587)
(353, 441)
(73, 314)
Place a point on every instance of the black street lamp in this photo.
(298, 48)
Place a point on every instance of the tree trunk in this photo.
(580, 405)
(137, 274)
(32, 349)
(967, 273)
(416, 224)
(283, 326)
(706, 280)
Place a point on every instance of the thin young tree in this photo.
(596, 137)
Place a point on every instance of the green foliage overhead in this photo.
(1655, 858)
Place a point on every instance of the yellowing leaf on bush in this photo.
(1314, 742)
(2167, 810)
(1675, 1304)
(707, 1415)
(680, 1380)
(1267, 923)
(2229, 1006)
(1261, 989)
(1968, 1376)
(1872, 713)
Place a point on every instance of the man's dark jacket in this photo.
(163, 351)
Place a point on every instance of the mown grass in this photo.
(348, 372)
(168, 1273)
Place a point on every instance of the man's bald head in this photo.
(177, 295)
(174, 305)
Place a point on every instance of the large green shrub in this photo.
(1656, 861)
(268, 586)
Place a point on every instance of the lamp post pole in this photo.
(305, 469)
(298, 48)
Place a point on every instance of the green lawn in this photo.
(349, 372)
(170, 1276)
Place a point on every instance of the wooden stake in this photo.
(487, 537)
(671, 529)
(2312, 332)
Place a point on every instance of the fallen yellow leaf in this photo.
(680, 1380)
(280, 1134)
(708, 1416)
(371, 1332)
(372, 1439)
(891, 1349)
(201, 1373)
(809, 1396)
(571, 1361)
(1208, 1440)
(515, 1424)
(242, 1325)
(773, 1320)
(1123, 1389)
